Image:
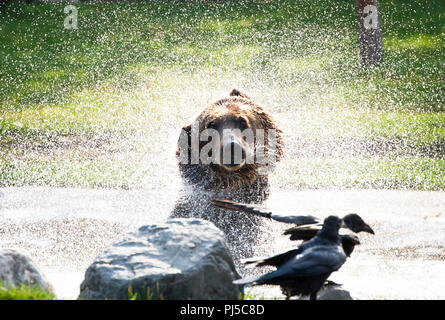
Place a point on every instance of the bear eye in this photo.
(211, 125)
(242, 122)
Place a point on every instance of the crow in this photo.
(302, 231)
(263, 212)
(306, 268)
(351, 221)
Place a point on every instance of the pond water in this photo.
(63, 230)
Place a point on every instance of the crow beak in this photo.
(368, 229)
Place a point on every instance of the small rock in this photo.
(17, 269)
(334, 292)
(179, 259)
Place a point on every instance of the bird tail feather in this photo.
(252, 260)
(247, 280)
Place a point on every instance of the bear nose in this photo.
(233, 154)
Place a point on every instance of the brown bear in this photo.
(245, 143)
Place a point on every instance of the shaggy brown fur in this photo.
(248, 184)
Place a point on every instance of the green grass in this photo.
(24, 292)
(363, 172)
(134, 73)
(251, 296)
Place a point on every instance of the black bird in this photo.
(263, 212)
(306, 268)
(302, 231)
(351, 221)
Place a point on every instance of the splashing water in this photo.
(64, 229)
(90, 117)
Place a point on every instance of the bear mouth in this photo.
(233, 167)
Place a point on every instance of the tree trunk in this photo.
(371, 49)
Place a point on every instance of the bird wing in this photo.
(313, 262)
(302, 232)
(280, 258)
(317, 260)
(296, 220)
(348, 240)
(243, 207)
(247, 280)
(308, 232)
(264, 212)
(275, 261)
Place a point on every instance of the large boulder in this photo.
(16, 269)
(179, 259)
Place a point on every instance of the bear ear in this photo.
(187, 129)
(237, 93)
(184, 142)
(267, 122)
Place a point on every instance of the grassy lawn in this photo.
(102, 106)
(24, 292)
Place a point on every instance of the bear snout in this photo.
(234, 155)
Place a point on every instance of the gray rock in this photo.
(17, 269)
(334, 292)
(179, 259)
